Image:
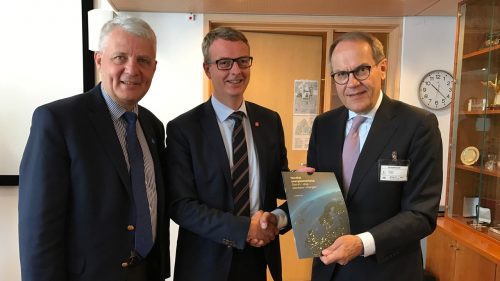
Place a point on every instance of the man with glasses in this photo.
(224, 171)
(388, 158)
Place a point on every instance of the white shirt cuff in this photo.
(368, 243)
(282, 218)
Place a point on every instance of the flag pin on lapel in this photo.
(257, 124)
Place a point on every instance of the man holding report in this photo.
(387, 156)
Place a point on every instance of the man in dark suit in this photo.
(218, 240)
(393, 196)
(77, 200)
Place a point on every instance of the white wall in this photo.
(428, 44)
(31, 68)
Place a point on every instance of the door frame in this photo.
(325, 26)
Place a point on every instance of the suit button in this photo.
(130, 227)
(124, 264)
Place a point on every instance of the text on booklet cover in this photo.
(317, 210)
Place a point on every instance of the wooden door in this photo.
(449, 260)
(441, 255)
(279, 60)
(469, 265)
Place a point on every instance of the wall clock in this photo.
(436, 89)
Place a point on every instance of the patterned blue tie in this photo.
(143, 229)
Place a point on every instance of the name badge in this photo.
(393, 173)
(393, 170)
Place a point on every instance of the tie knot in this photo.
(358, 120)
(130, 117)
(237, 115)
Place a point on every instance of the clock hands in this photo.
(437, 90)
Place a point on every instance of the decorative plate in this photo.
(469, 155)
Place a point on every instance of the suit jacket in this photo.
(397, 214)
(75, 198)
(200, 185)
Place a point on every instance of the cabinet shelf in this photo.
(478, 170)
(481, 112)
(479, 60)
(483, 51)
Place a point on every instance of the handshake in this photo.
(263, 229)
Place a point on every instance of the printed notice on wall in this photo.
(305, 109)
(302, 126)
(305, 97)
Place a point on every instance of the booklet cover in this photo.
(317, 209)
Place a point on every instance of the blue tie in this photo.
(143, 232)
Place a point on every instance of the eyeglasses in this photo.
(361, 73)
(226, 63)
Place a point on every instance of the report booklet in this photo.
(317, 209)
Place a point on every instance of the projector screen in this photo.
(42, 62)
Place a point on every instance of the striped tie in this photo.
(239, 171)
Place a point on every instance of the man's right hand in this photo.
(263, 229)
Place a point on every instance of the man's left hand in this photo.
(343, 250)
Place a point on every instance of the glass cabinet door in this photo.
(474, 182)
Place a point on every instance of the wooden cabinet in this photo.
(441, 255)
(474, 177)
(457, 253)
(471, 266)
(464, 245)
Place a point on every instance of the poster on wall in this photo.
(305, 97)
(305, 109)
(302, 125)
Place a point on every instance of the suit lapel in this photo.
(259, 143)
(382, 130)
(149, 134)
(336, 143)
(155, 146)
(332, 127)
(211, 130)
(99, 117)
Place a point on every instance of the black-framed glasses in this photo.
(361, 73)
(227, 63)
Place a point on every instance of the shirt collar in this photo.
(115, 109)
(371, 113)
(223, 112)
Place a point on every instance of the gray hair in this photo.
(375, 44)
(226, 33)
(132, 25)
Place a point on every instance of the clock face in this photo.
(436, 89)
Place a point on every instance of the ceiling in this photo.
(358, 8)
